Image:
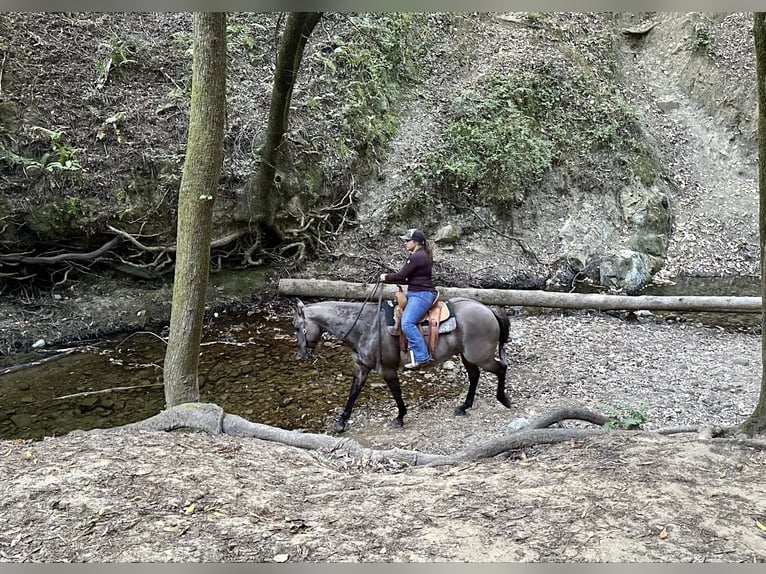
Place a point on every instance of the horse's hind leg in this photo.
(500, 370)
(392, 380)
(473, 381)
(360, 376)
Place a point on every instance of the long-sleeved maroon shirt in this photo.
(416, 273)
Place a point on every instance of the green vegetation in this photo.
(119, 53)
(66, 155)
(494, 142)
(626, 416)
(507, 132)
(359, 79)
(111, 126)
(63, 156)
(702, 39)
(241, 40)
(64, 217)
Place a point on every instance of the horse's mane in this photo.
(338, 317)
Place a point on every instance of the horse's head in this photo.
(307, 332)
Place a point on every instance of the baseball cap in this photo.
(414, 234)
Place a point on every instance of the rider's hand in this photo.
(382, 276)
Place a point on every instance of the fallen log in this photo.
(528, 298)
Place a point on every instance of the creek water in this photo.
(248, 366)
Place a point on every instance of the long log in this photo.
(528, 298)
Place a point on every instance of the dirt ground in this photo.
(146, 496)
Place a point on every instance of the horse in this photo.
(479, 332)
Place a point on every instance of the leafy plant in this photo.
(702, 40)
(66, 155)
(240, 35)
(626, 416)
(119, 53)
(73, 206)
(111, 124)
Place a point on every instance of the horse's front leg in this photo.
(392, 380)
(359, 377)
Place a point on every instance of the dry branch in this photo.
(22, 366)
(103, 391)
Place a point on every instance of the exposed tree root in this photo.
(15, 258)
(210, 418)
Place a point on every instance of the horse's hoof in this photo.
(397, 423)
(340, 426)
(459, 412)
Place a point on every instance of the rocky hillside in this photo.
(689, 81)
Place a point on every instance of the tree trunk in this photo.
(265, 196)
(531, 298)
(756, 422)
(201, 172)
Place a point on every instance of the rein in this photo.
(380, 297)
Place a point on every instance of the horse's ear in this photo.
(299, 304)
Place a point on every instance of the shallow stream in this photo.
(248, 366)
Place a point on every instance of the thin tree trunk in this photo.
(201, 173)
(756, 422)
(266, 198)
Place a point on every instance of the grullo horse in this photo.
(479, 338)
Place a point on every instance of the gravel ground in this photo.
(677, 373)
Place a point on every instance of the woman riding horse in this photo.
(421, 293)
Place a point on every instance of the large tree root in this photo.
(210, 418)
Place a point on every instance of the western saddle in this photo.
(429, 324)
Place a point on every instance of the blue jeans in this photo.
(418, 303)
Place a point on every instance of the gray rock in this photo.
(626, 270)
(447, 234)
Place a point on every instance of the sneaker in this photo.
(414, 364)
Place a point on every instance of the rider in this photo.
(421, 293)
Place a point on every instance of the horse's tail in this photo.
(505, 330)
